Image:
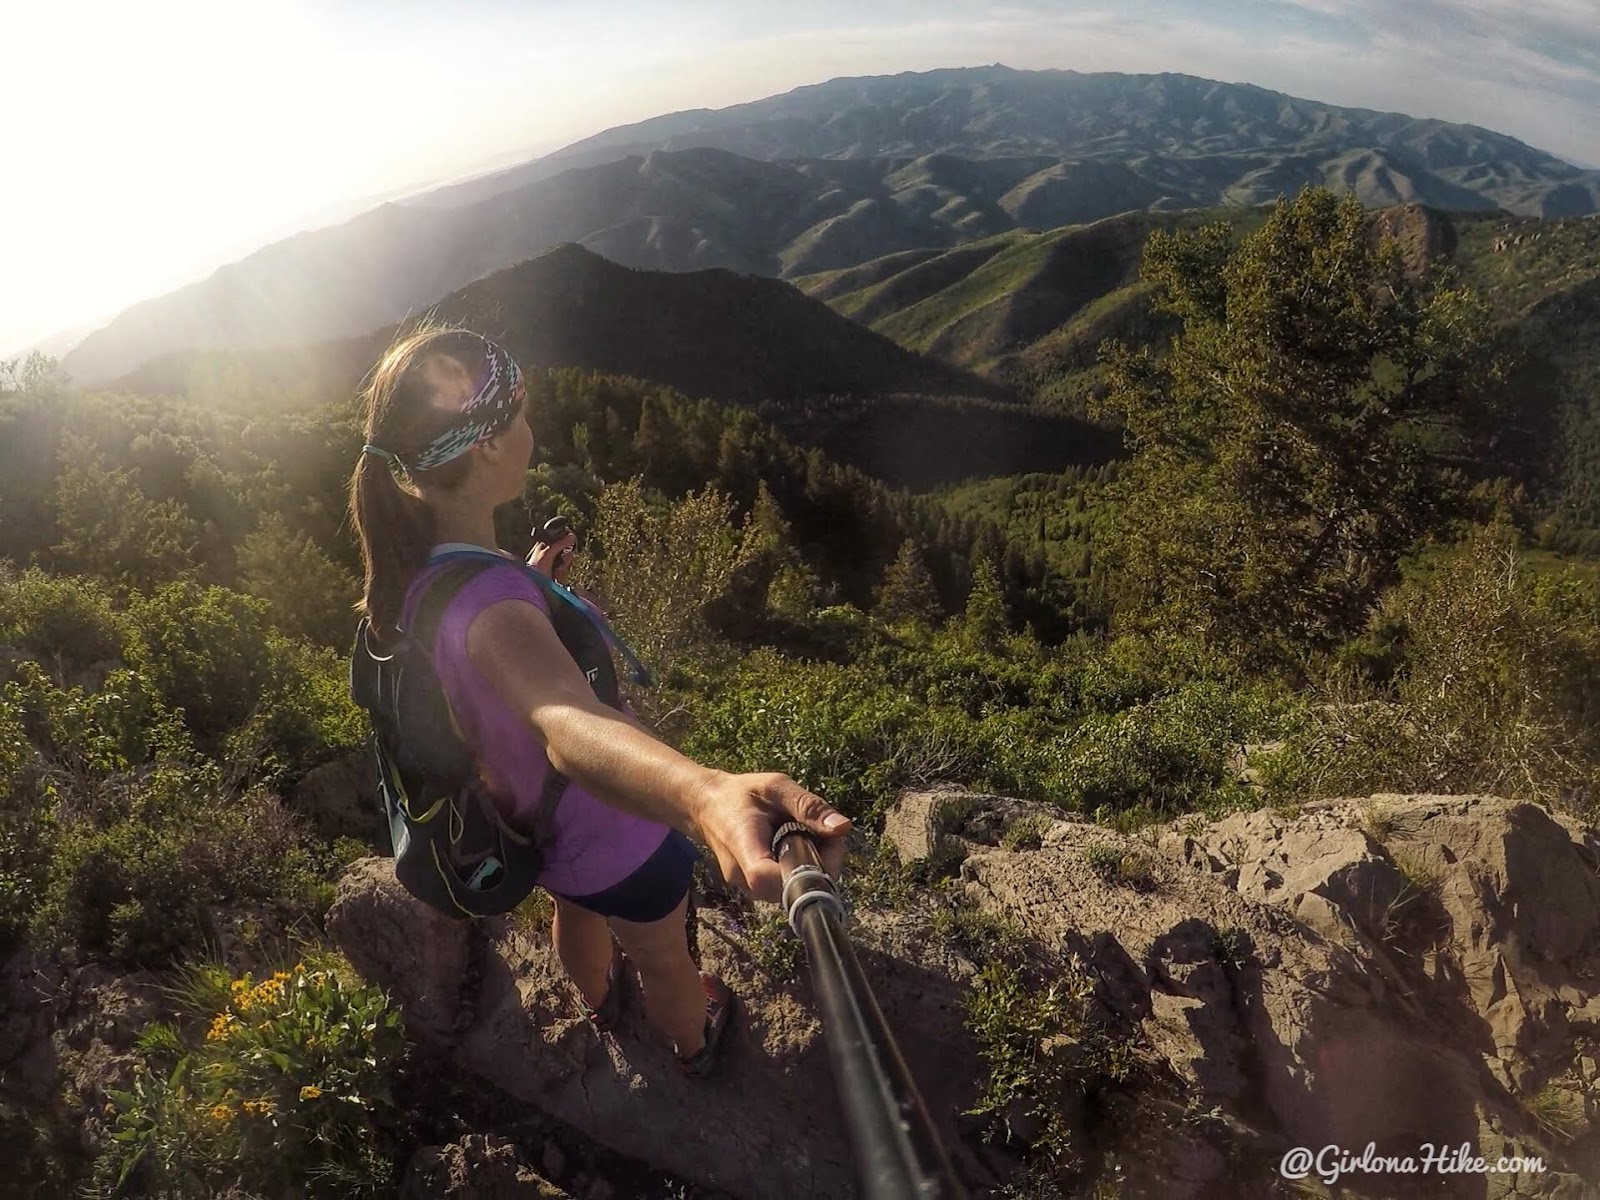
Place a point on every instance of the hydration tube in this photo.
(898, 1154)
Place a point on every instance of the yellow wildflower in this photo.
(264, 1107)
(269, 991)
(310, 1092)
(221, 1112)
(219, 1027)
(279, 976)
(241, 985)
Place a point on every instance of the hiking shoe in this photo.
(605, 1017)
(720, 1003)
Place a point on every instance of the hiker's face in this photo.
(519, 452)
(505, 459)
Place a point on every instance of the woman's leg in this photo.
(674, 997)
(583, 943)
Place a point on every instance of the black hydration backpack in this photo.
(452, 849)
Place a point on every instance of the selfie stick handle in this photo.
(898, 1154)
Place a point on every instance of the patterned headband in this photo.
(497, 403)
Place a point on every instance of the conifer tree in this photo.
(907, 593)
(984, 623)
(653, 443)
(1291, 445)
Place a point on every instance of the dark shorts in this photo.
(653, 890)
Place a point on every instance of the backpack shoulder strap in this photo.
(428, 610)
(636, 669)
(464, 566)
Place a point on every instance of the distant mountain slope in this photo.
(993, 304)
(729, 337)
(1030, 311)
(841, 174)
(998, 112)
(757, 343)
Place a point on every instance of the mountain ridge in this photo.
(570, 307)
(758, 344)
(894, 165)
(1447, 144)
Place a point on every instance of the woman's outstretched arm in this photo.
(514, 646)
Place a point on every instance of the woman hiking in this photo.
(447, 443)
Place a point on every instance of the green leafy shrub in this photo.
(843, 735)
(1005, 718)
(27, 827)
(981, 935)
(110, 528)
(1497, 690)
(289, 1085)
(1233, 947)
(304, 715)
(1120, 866)
(139, 871)
(1039, 1040)
(875, 876)
(68, 624)
(837, 633)
(659, 567)
(252, 696)
(1020, 753)
(121, 725)
(207, 651)
(117, 832)
(1025, 834)
(1168, 754)
(1131, 670)
(308, 594)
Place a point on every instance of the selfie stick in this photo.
(898, 1155)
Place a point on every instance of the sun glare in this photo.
(155, 140)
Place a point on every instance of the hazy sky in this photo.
(146, 143)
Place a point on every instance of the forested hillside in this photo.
(1031, 312)
(818, 377)
(1309, 573)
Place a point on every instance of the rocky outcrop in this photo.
(340, 797)
(67, 1035)
(1400, 971)
(765, 1127)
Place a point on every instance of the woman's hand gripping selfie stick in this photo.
(898, 1155)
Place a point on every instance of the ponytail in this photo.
(396, 532)
(394, 525)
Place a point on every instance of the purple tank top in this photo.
(590, 845)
